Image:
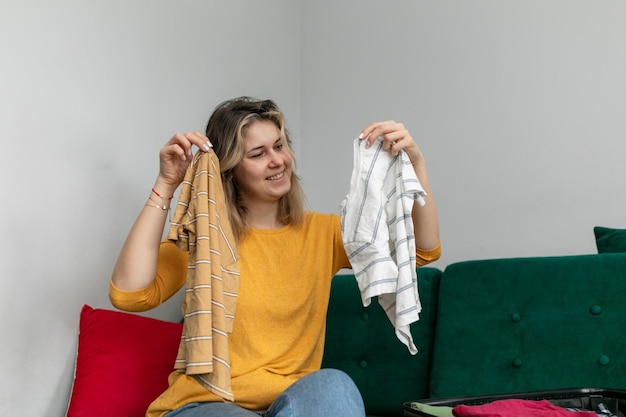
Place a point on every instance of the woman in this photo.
(288, 257)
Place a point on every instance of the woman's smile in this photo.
(277, 176)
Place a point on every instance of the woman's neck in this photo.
(264, 217)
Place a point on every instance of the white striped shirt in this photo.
(378, 233)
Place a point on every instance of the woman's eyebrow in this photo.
(262, 146)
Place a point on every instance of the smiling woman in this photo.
(251, 141)
(264, 174)
(269, 352)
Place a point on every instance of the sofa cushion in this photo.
(122, 363)
(362, 342)
(610, 240)
(530, 324)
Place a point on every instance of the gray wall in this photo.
(518, 106)
(90, 91)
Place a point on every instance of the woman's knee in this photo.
(327, 392)
(208, 409)
(335, 379)
(340, 384)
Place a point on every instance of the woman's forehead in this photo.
(261, 133)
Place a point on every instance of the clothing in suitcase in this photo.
(585, 402)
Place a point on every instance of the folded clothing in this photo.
(518, 408)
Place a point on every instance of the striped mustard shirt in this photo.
(200, 226)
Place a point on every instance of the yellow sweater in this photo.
(280, 318)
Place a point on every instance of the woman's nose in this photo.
(275, 158)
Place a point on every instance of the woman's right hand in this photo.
(136, 264)
(175, 156)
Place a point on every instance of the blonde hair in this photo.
(226, 129)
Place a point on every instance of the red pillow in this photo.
(122, 363)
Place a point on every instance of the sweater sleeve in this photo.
(339, 253)
(170, 277)
(424, 257)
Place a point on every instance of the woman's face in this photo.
(264, 173)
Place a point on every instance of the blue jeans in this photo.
(324, 393)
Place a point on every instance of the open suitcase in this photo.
(604, 402)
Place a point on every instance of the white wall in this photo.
(89, 92)
(518, 106)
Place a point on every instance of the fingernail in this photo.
(206, 146)
(361, 135)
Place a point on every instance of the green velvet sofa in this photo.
(488, 327)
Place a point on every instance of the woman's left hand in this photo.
(395, 138)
